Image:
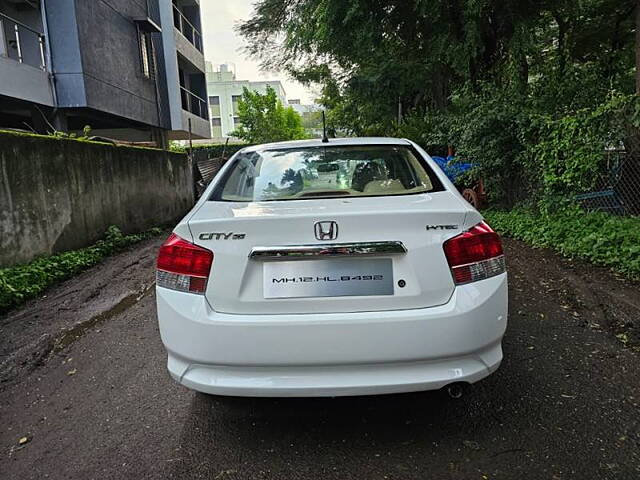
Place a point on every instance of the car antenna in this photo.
(325, 139)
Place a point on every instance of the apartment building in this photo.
(225, 91)
(130, 69)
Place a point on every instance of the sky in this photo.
(223, 45)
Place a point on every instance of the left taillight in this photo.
(183, 266)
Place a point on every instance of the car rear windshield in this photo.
(326, 172)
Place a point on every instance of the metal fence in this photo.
(187, 29)
(194, 104)
(617, 189)
(21, 42)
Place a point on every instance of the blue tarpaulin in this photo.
(452, 169)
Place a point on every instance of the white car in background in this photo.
(324, 269)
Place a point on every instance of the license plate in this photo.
(328, 278)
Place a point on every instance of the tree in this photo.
(370, 55)
(264, 119)
(505, 82)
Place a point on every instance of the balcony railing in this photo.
(187, 29)
(193, 103)
(21, 42)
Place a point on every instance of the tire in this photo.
(472, 197)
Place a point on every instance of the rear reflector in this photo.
(475, 254)
(183, 266)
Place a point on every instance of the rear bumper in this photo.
(332, 381)
(335, 354)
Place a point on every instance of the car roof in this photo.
(333, 142)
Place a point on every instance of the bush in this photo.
(598, 237)
(22, 282)
(527, 151)
(216, 150)
(567, 154)
(486, 129)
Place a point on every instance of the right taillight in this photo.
(475, 254)
(183, 266)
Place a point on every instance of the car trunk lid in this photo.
(406, 268)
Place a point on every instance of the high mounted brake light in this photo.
(183, 266)
(475, 254)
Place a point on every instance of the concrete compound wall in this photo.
(57, 195)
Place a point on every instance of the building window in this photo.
(236, 122)
(235, 99)
(146, 55)
(214, 104)
(216, 128)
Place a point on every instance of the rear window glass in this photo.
(326, 172)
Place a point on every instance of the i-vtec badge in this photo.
(442, 227)
(222, 236)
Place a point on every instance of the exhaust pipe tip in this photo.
(456, 390)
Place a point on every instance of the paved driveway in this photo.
(96, 402)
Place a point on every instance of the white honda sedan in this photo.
(324, 269)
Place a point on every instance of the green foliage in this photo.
(312, 120)
(263, 119)
(568, 150)
(217, 150)
(176, 147)
(86, 134)
(487, 129)
(22, 282)
(58, 136)
(531, 92)
(598, 237)
(70, 138)
(525, 155)
(369, 54)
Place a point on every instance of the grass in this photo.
(597, 237)
(61, 136)
(23, 282)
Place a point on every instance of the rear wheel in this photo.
(472, 197)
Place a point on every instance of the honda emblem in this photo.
(326, 230)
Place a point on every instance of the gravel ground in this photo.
(83, 379)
